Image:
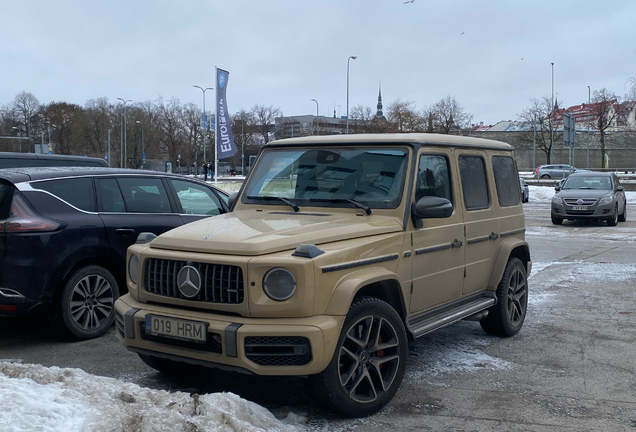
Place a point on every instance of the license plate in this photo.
(579, 208)
(191, 331)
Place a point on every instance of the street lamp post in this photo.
(125, 137)
(589, 100)
(143, 151)
(552, 111)
(347, 122)
(203, 117)
(317, 126)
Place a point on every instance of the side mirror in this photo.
(232, 200)
(620, 188)
(430, 207)
(557, 187)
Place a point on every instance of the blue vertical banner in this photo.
(225, 140)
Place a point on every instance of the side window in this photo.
(472, 170)
(433, 178)
(76, 191)
(506, 180)
(196, 198)
(110, 198)
(144, 195)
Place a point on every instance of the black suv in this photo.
(64, 232)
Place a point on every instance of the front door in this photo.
(438, 246)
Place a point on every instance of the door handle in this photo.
(125, 231)
(457, 243)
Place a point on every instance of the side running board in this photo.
(429, 321)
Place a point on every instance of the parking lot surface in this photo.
(571, 368)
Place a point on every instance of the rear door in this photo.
(130, 205)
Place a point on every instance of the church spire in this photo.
(379, 113)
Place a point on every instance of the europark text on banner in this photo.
(225, 146)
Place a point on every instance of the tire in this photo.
(84, 309)
(362, 378)
(623, 216)
(614, 220)
(545, 176)
(507, 316)
(556, 220)
(171, 367)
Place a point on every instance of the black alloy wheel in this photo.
(369, 362)
(507, 316)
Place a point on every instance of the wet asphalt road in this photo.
(571, 368)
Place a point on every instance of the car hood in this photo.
(251, 232)
(583, 193)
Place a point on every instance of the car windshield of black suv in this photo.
(366, 177)
(588, 182)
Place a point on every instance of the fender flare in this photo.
(504, 252)
(347, 288)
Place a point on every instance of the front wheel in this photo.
(85, 307)
(369, 361)
(614, 220)
(623, 216)
(508, 315)
(556, 220)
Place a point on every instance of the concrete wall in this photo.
(619, 146)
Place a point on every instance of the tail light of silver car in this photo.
(22, 219)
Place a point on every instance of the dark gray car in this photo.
(590, 196)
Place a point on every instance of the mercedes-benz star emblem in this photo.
(189, 281)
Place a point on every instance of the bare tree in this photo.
(172, 138)
(265, 120)
(26, 106)
(243, 131)
(605, 109)
(539, 116)
(429, 118)
(66, 128)
(450, 114)
(403, 117)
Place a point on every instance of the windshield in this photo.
(588, 182)
(329, 177)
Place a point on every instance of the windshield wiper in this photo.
(364, 207)
(285, 200)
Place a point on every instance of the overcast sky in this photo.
(492, 55)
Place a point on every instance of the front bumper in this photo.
(596, 212)
(262, 346)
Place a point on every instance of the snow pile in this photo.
(34, 397)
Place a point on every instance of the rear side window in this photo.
(506, 180)
(110, 197)
(144, 195)
(76, 191)
(472, 170)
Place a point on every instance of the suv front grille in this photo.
(278, 350)
(212, 344)
(584, 201)
(220, 283)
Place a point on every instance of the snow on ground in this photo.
(35, 397)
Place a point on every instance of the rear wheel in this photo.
(85, 307)
(545, 176)
(508, 315)
(369, 361)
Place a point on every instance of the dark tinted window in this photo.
(77, 191)
(144, 195)
(17, 163)
(433, 178)
(474, 184)
(110, 197)
(197, 199)
(506, 180)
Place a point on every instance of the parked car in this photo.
(525, 190)
(338, 251)
(21, 160)
(590, 196)
(554, 171)
(64, 234)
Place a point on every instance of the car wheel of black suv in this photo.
(84, 308)
(369, 362)
(507, 316)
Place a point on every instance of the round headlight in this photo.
(279, 284)
(133, 268)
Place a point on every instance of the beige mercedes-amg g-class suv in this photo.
(338, 251)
